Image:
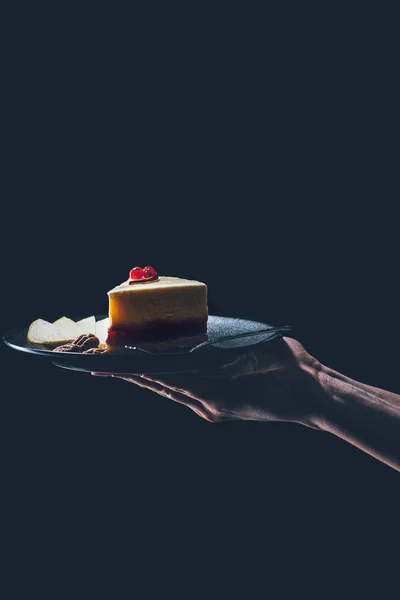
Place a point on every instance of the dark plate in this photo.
(226, 338)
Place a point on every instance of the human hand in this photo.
(271, 383)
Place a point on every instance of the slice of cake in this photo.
(150, 307)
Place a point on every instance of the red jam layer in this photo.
(159, 331)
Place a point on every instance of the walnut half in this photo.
(95, 351)
(85, 341)
(66, 348)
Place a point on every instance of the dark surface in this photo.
(262, 165)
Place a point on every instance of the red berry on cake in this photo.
(149, 272)
(136, 273)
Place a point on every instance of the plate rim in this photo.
(37, 350)
(157, 362)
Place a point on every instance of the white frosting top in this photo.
(161, 282)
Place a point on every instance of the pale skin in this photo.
(283, 382)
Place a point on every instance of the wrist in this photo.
(334, 394)
(314, 377)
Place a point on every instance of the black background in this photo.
(248, 152)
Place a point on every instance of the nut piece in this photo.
(94, 351)
(86, 341)
(67, 348)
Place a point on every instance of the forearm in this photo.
(364, 416)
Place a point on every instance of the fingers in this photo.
(174, 395)
(196, 384)
(172, 392)
(182, 385)
(190, 385)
